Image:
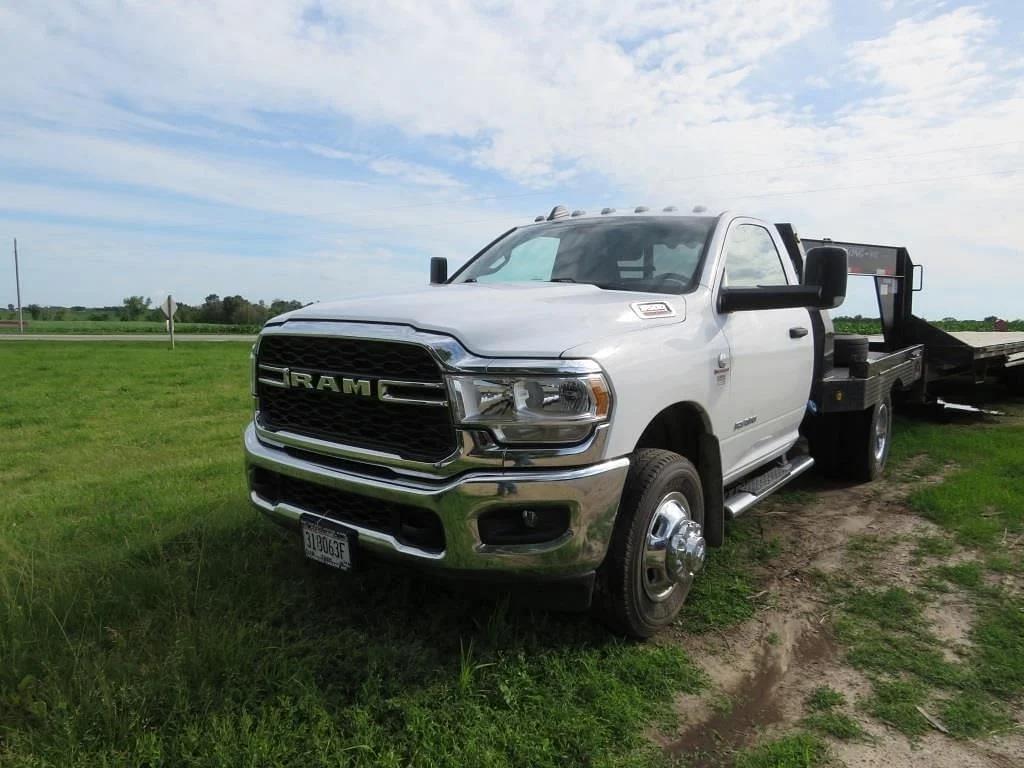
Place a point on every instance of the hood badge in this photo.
(649, 310)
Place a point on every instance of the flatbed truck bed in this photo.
(858, 386)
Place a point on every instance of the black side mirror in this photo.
(827, 269)
(769, 297)
(438, 270)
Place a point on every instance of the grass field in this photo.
(149, 618)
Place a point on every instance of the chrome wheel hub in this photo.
(674, 549)
(881, 431)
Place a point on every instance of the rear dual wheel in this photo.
(657, 546)
(854, 446)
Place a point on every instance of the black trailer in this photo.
(946, 354)
(849, 420)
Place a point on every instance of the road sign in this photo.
(169, 307)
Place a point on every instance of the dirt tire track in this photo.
(767, 666)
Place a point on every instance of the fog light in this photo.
(518, 525)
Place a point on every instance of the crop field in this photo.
(148, 617)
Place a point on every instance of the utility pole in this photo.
(17, 282)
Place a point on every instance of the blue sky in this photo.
(318, 150)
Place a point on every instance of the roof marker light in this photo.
(539, 218)
(606, 211)
(700, 209)
(558, 212)
(641, 209)
(669, 209)
(579, 212)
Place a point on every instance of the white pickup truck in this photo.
(581, 406)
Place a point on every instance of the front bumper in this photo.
(591, 494)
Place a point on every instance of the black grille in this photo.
(417, 432)
(411, 525)
(353, 357)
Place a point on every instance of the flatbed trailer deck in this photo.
(991, 344)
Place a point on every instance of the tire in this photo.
(850, 350)
(663, 494)
(868, 441)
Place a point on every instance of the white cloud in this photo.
(935, 65)
(658, 101)
(413, 173)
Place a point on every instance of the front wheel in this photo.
(657, 546)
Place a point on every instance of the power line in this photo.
(783, 193)
(17, 281)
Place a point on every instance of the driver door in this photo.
(771, 354)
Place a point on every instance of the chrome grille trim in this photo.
(384, 387)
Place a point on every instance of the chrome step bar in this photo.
(751, 491)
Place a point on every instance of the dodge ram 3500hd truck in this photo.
(582, 404)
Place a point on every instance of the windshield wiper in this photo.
(562, 280)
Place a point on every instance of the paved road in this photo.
(183, 337)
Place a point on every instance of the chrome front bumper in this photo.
(590, 493)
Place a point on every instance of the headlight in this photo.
(531, 408)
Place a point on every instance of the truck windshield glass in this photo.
(660, 255)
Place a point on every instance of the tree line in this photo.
(229, 310)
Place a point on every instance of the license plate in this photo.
(327, 543)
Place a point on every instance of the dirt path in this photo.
(763, 670)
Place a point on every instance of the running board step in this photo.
(751, 491)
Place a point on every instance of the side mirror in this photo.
(827, 270)
(438, 270)
(769, 297)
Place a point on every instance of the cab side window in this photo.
(751, 259)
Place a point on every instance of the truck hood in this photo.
(508, 319)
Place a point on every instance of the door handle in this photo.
(797, 332)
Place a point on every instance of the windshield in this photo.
(660, 255)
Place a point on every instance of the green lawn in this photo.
(149, 618)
